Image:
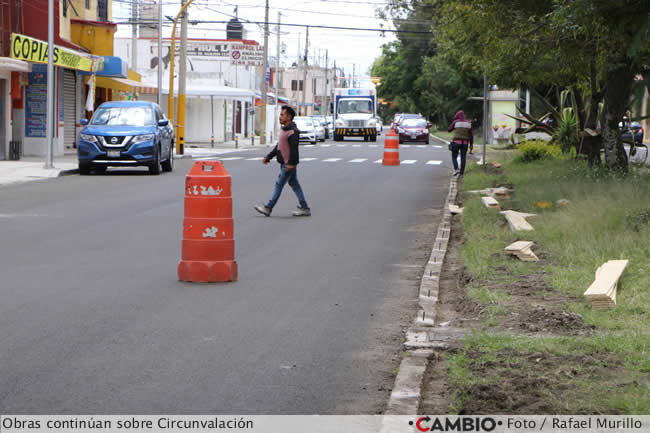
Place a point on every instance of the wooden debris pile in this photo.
(522, 249)
(602, 292)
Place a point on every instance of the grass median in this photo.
(540, 347)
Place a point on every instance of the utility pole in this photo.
(485, 118)
(327, 85)
(182, 83)
(265, 85)
(160, 74)
(304, 81)
(134, 33)
(276, 77)
(354, 73)
(49, 122)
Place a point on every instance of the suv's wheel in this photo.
(373, 138)
(84, 168)
(154, 166)
(169, 164)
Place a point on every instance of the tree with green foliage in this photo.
(414, 77)
(594, 48)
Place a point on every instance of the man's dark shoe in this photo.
(302, 211)
(266, 211)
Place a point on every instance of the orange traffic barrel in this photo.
(208, 249)
(391, 148)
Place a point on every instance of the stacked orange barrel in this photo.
(208, 251)
(391, 148)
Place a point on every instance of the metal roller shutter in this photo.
(69, 107)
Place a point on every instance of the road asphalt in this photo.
(95, 321)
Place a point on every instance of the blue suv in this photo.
(126, 133)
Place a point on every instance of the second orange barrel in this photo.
(391, 148)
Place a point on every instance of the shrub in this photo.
(533, 150)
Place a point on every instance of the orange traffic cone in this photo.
(391, 148)
(208, 251)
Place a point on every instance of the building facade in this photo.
(83, 36)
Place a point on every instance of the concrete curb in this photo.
(68, 172)
(423, 338)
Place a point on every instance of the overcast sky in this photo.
(347, 47)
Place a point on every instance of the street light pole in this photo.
(276, 77)
(160, 17)
(265, 84)
(182, 77)
(304, 81)
(49, 124)
(170, 107)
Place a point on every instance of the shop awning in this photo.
(123, 84)
(283, 99)
(216, 91)
(14, 65)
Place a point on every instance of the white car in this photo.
(320, 129)
(307, 129)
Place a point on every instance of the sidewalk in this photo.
(30, 168)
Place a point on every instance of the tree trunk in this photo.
(617, 96)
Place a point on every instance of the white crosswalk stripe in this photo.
(257, 158)
(356, 145)
(308, 159)
(358, 160)
(372, 145)
(340, 145)
(437, 146)
(409, 161)
(379, 161)
(331, 159)
(434, 162)
(310, 145)
(406, 145)
(231, 158)
(324, 145)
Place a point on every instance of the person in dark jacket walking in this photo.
(286, 152)
(463, 138)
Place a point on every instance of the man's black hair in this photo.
(290, 111)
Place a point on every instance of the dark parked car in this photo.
(126, 134)
(634, 129)
(413, 129)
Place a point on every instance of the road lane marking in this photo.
(358, 160)
(434, 162)
(372, 145)
(324, 145)
(378, 161)
(406, 145)
(308, 159)
(257, 158)
(409, 161)
(356, 145)
(310, 145)
(331, 159)
(340, 145)
(231, 158)
(437, 146)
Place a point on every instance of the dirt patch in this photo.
(534, 307)
(535, 379)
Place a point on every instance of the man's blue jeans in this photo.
(292, 178)
(455, 148)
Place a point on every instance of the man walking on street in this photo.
(286, 152)
(463, 137)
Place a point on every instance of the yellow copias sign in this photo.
(34, 50)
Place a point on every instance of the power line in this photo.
(312, 26)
